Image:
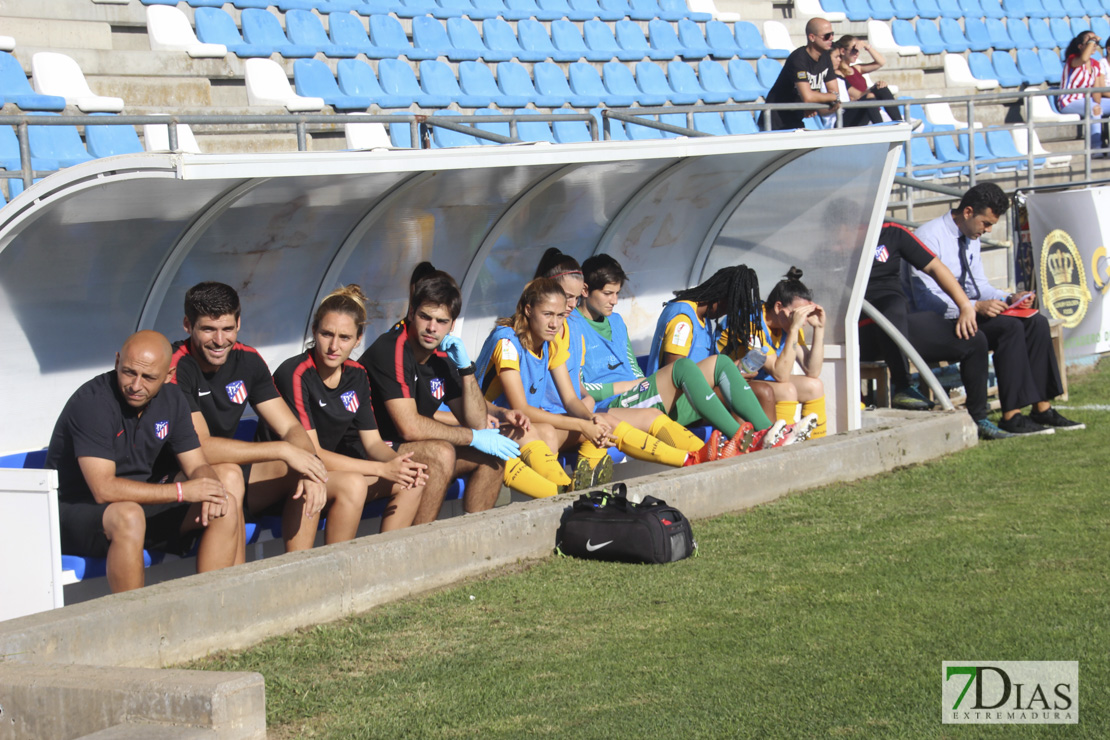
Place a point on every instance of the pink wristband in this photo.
(180, 494)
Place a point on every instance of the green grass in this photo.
(825, 614)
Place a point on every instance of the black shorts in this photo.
(82, 528)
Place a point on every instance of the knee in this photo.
(439, 456)
(763, 392)
(809, 389)
(350, 488)
(546, 432)
(784, 392)
(231, 476)
(125, 521)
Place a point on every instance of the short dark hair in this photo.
(437, 289)
(211, 299)
(983, 196)
(600, 270)
(789, 289)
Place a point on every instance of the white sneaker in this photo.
(805, 427)
(915, 123)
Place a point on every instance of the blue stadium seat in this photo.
(305, 29)
(971, 9)
(651, 80)
(1095, 9)
(570, 132)
(514, 79)
(417, 8)
(397, 78)
(927, 9)
(1000, 37)
(882, 10)
(595, 11)
(400, 134)
(1101, 27)
(499, 9)
(1053, 67)
(59, 143)
(386, 33)
(565, 10)
(1030, 67)
(533, 37)
(636, 132)
(1002, 145)
(715, 79)
(494, 127)
(906, 10)
(1079, 25)
(953, 36)
(11, 160)
(584, 80)
(1014, 8)
(684, 79)
(950, 9)
(467, 8)
(743, 78)
(551, 81)
(616, 128)
(978, 38)
(15, 89)
(954, 161)
(566, 37)
(631, 37)
(443, 137)
(214, 26)
(1020, 35)
(476, 78)
(533, 130)
(992, 9)
(618, 79)
(680, 8)
(982, 68)
(533, 10)
(983, 144)
(428, 34)
(499, 35)
(751, 42)
(1061, 31)
(345, 29)
(833, 6)
(692, 40)
(1005, 71)
(463, 34)
(663, 38)
(625, 9)
(313, 79)
(652, 7)
(262, 28)
(357, 79)
(740, 122)
(857, 10)
(923, 157)
(710, 122)
(767, 71)
(721, 41)
(1041, 33)
(600, 39)
(438, 80)
(928, 37)
(905, 35)
(1057, 9)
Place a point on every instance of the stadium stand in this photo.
(57, 74)
(268, 86)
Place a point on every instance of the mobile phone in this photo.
(1021, 298)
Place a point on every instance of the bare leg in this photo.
(346, 500)
(231, 476)
(439, 456)
(484, 482)
(219, 543)
(766, 395)
(403, 503)
(125, 526)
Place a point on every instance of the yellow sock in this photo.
(785, 410)
(522, 478)
(539, 457)
(640, 445)
(670, 432)
(591, 452)
(816, 406)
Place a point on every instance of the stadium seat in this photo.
(430, 38)
(267, 85)
(906, 10)
(950, 9)
(494, 127)
(879, 35)
(744, 80)
(1005, 71)
(400, 134)
(654, 10)
(417, 8)
(1061, 31)
(609, 129)
(816, 9)
(357, 78)
(971, 9)
(664, 40)
(262, 27)
(834, 6)
(514, 79)
(631, 38)
(1095, 9)
(1058, 9)
(636, 132)
(397, 78)
(463, 34)
(570, 132)
(111, 139)
(214, 26)
(927, 9)
(767, 71)
(1045, 112)
(11, 160)
(599, 39)
(156, 138)
(958, 74)
(595, 12)
(692, 39)
(313, 79)
(714, 78)
(1002, 145)
(445, 137)
(533, 10)
(499, 9)
(1078, 26)
(953, 161)
(620, 7)
(566, 37)
(552, 82)
(776, 40)
(387, 34)
(684, 11)
(305, 29)
(1041, 33)
(566, 10)
(57, 74)
(347, 30)
(740, 122)
(533, 130)
(905, 36)
(169, 30)
(983, 150)
(1029, 65)
(533, 37)
(618, 79)
(62, 144)
(362, 136)
(438, 80)
(922, 156)
(14, 88)
(721, 41)
(709, 122)
(684, 79)
(748, 39)
(467, 8)
(1019, 34)
(1000, 37)
(1014, 8)
(992, 9)
(982, 68)
(1101, 27)
(978, 38)
(584, 80)
(953, 36)
(650, 78)
(476, 78)
(1021, 145)
(1053, 67)
(857, 11)
(882, 10)
(499, 36)
(929, 38)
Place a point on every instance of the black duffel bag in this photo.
(605, 525)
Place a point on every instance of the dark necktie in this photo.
(965, 269)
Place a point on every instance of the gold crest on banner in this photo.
(1100, 269)
(1063, 279)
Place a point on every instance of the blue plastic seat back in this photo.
(443, 137)
(397, 78)
(499, 35)
(386, 32)
(882, 10)
(680, 10)
(304, 27)
(710, 123)
(631, 37)
(494, 127)
(60, 143)
(618, 80)
(992, 9)
(928, 37)
(906, 10)
(113, 139)
(1005, 71)
(1014, 8)
(312, 78)
(978, 38)
(566, 37)
(513, 79)
(1019, 34)
(662, 37)
(950, 9)
(645, 10)
(980, 66)
(10, 159)
(532, 9)
(749, 40)
(533, 36)
(714, 78)
(347, 30)
(476, 78)
(400, 134)
(1041, 33)
(1029, 64)
(463, 34)
(551, 81)
(1057, 9)
(15, 88)
(692, 40)
(740, 122)
(214, 26)
(570, 132)
(903, 32)
(971, 9)
(636, 132)
(264, 29)
(429, 33)
(617, 6)
(533, 130)
(567, 10)
(927, 9)
(1101, 27)
(584, 80)
(1053, 67)
(650, 79)
(683, 78)
(593, 9)
(356, 77)
(767, 71)
(743, 77)
(1061, 31)
(1000, 37)
(599, 37)
(857, 10)
(721, 38)
(954, 40)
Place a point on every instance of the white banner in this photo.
(1070, 232)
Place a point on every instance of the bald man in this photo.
(115, 495)
(806, 71)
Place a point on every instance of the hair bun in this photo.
(794, 273)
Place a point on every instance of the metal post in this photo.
(971, 142)
(25, 155)
(1087, 137)
(1029, 133)
(171, 134)
(302, 136)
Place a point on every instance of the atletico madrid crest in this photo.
(237, 391)
(437, 388)
(350, 401)
(161, 429)
(881, 253)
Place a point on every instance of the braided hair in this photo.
(736, 289)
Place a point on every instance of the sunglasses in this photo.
(852, 52)
(827, 36)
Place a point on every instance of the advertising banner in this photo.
(1069, 233)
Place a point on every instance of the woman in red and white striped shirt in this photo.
(1080, 70)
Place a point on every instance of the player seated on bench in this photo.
(685, 391)
(329, 394)
(115, 496)
(220, 376)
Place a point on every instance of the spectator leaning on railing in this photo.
(1081, 70)
(805, 71)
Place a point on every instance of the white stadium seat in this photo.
(958, 74)
(57, 74)
(268, 85)
(156, 138)
(169, 30)
(880, 36)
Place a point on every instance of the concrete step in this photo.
(176, 94)
(58, 34)
(132, 13)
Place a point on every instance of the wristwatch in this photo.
(468, 370)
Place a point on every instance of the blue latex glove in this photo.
(491, 442)
(456, 351)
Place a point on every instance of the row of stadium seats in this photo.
(885, 10)
(304, 36)
(1030, 69)
(977, 35)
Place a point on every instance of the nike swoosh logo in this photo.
(711, 395)
(614, 367)
(322, 403)
(204, 393)
(591, 548)
(532, 389)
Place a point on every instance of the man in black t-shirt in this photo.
(112, 498)
(806, 71)
(220, 377)
(418, 365)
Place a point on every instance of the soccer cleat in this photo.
(770, 437)
(602, 473)
(987, 429)
(741, 442)
(910, 399)
(1052, 418)
(583, 474)
(707, 453)
(803, 428)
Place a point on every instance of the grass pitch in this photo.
(825, 614)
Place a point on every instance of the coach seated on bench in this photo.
(116, 492)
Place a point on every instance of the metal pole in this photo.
(1029, 134)
(25, 155)
(971, 142)
(904, 345)
(302, 136)
(171, 134)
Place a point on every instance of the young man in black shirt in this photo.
(112, 497)
(806, 70)
(220, 377)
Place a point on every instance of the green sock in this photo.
(687, 378)
(740, 395)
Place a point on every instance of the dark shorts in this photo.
(82, 528)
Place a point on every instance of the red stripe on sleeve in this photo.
(399, 365)
(911, 236)
(181, 352)
(298, 391)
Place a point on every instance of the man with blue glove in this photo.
(416, 366)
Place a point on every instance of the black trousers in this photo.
(864, 116)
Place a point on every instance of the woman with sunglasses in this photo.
(851, 71)
(1081, 70)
